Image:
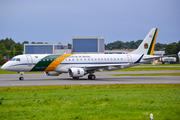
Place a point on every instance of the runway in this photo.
(101, 78)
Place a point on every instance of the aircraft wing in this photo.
(102, 66)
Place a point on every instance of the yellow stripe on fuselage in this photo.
(152, 49)
(56, 62)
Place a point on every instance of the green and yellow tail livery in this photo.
(148, 44)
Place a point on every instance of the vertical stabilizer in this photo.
(148, 44)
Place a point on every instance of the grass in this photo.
(148, 74)
(149, 69)
(101, 102)
(161, 65)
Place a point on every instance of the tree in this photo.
(1, 59)
(170, 49)
(25, 42)
(7, 42)
(69, 46)
(3, 50)
(177, 47)
(138, 42)
(19, 48)
(12, 51)
(160, 47)
(39, 42)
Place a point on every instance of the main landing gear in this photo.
(91, 77)
(21, 76)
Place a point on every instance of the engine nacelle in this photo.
(76, 72)
(51, 73)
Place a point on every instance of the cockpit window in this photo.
(18, 59)
(13, 59)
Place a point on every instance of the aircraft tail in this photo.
(148, 44)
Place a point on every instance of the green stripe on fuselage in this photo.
(44, 63)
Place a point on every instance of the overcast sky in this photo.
(56, 21)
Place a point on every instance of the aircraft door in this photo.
(129, 59)
(29, 60)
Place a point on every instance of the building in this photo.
(87, 45)
(46, 49)
(159, 53)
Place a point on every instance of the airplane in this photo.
(79, 65)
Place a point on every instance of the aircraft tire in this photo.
(21, 78)
(75, 78)
(91, 77)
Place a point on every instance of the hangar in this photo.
(46, 49)
(90, 45)
(80, 45)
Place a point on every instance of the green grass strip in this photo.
(149, 69)
(61, 87)
(148, 74)
(99, 102)
(161, 65)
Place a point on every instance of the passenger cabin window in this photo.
(18, 59)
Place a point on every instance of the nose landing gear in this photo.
(21, 76)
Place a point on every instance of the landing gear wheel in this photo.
(91, 77)
(76, 78)
(21, 78)
(21, 75)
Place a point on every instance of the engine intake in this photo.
(51, 73)
(76, 72)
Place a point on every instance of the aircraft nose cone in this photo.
(4, 67)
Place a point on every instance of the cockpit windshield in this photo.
(18, 59)
(15, 59)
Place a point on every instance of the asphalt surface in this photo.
(101, 78)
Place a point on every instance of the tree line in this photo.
(8, 47)
(172, 48)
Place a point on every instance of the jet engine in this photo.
(76, 72)
(51, 73)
